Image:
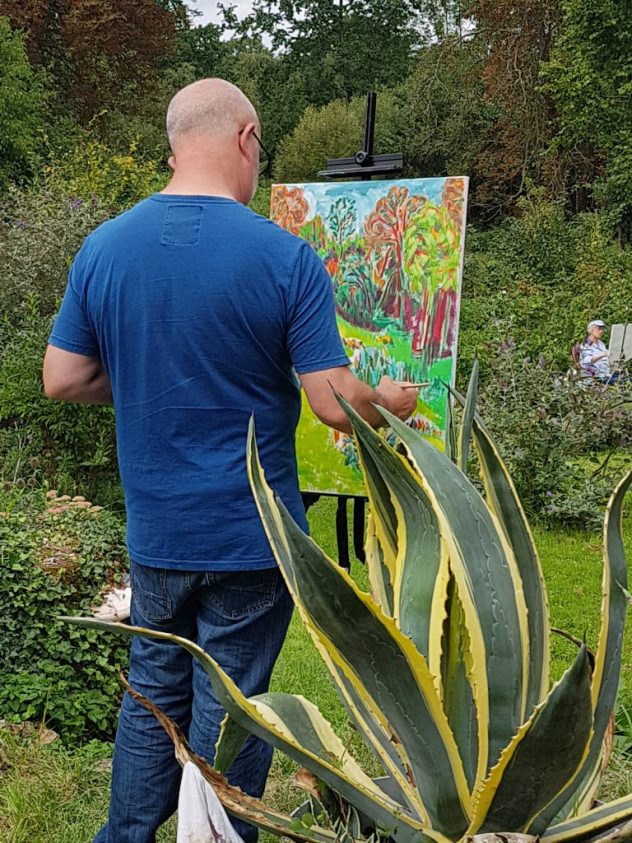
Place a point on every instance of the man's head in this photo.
(211, 127)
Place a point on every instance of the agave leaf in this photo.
(504, 502)
(605, 680)
(421, 570)
(458, 696)
(301, 720)
(379, 576)
(232, 737)
(235, 801)
(390, 675)
(601, 819)
(540, 760)
(469, 408)
(368, 718)
(383, 513)
(451, 443)
(370, 800)
(487, 592)
(374, 729)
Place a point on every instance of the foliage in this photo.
(446, 113)
(42, 229)
(58, 555)
(91, 170)
(68, 445)
(588, 78)
(518, 36)
(39, 234)
(23, 99)
(545, 274)
(443, 668)
(338, 50)
(336, 131)
(565, 441)
(99, 52)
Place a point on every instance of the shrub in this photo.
(39, 234)
(117, 179)
(334, 131)
(23, 102)
(71, 446)
(548, 275)
(565, 441)
(57, 556)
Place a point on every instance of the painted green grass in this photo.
(321, 466)
(53, 794)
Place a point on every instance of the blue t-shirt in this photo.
(200, 310)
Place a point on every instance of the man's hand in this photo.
(320, 387)
(401, 401)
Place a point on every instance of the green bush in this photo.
(70, 446)
(335, 131)
(23, 103)
(40, 232)
(57, 556)
(566, 442)
(549, 275)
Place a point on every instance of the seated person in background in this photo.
(594, 359)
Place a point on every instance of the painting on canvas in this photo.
(394, 251)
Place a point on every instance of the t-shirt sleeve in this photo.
(72, 330)
(313, 339)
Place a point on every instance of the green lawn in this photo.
(55, 795)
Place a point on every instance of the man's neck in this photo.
(199, 186)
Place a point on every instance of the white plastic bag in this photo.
(201, 816)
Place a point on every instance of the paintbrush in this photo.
(406, 385)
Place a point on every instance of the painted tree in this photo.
(384, 232)
(342, 220)
(289, 208)
(432, 253)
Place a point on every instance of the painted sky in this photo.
(321, 196)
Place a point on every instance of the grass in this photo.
(54, 794)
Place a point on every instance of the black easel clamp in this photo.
(365, 164)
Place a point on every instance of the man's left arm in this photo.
(75, 377)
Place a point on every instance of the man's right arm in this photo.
(320, 388)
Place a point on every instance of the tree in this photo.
(340, 48)
(588, 77)
(23, 98)
(97, 50)
(445, 110)
(517, 37)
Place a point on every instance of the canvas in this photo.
(394, 251)
(620, 345)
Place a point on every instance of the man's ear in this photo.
(245, 137)
(172, 162)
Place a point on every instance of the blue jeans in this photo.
(240, 618)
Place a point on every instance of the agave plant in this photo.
(443, 668)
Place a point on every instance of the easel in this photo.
(620, 362)
(362, 166)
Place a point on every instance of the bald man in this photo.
(191, 313)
